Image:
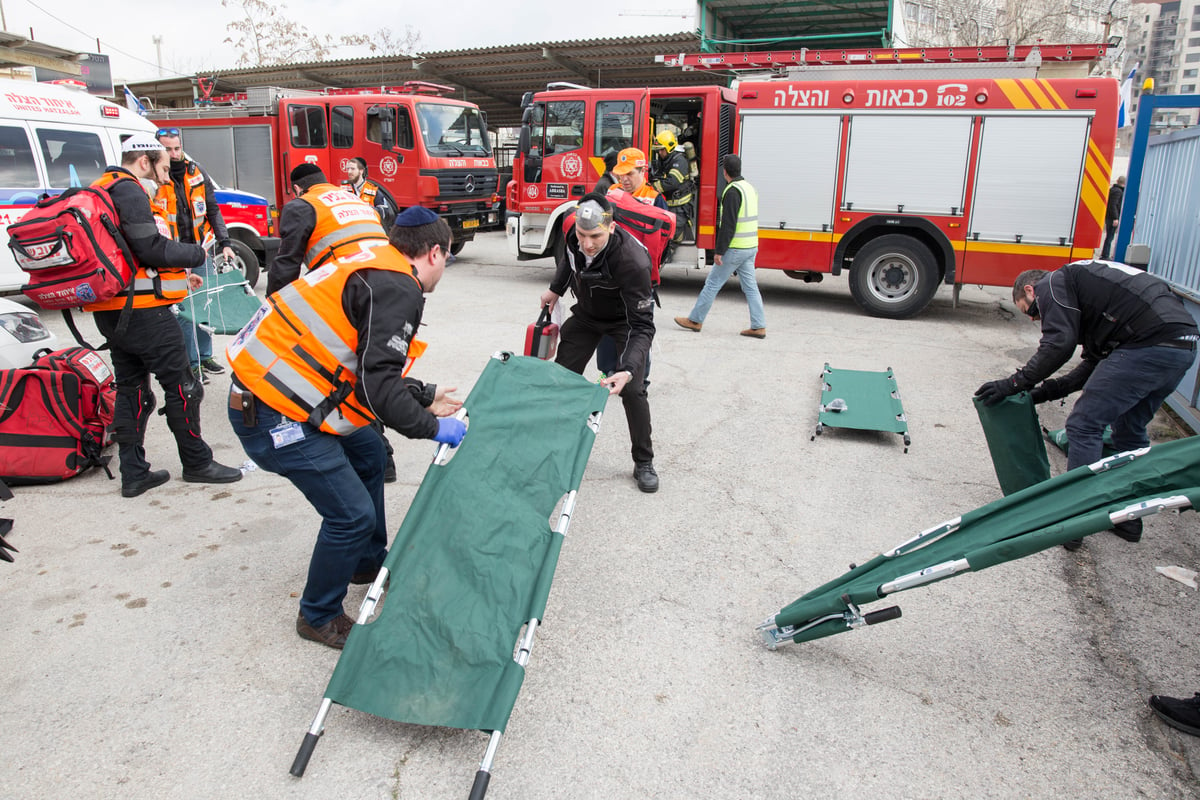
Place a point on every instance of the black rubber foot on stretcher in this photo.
(306, 750)
(882, 615)
(479, 789)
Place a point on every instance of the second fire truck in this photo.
(422, 146)
(902, 184)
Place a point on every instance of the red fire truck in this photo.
(423, 147)
(904, 184)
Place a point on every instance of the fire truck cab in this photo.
(567, 131)
(421, 146)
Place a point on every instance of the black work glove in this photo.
(1048, 390)
(993, 392)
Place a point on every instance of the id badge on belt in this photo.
(286, 433)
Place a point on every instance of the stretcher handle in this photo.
(306, 750)
(882, 615)
(479, 789)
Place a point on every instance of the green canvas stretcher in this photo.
(867, 401)
(225, 303)
(469, 571)
(1075, 504)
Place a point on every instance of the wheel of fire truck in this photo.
(245, 260)
(893, 276)
(456, 247)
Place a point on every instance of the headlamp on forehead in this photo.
(591, 216)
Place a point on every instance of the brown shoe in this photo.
(757, 333)
(332, 634)
(684, 322)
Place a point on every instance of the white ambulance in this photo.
(52, 138)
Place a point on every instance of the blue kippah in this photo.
(415, 217)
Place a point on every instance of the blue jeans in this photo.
(740, 261)
(197, 342)
(342, 477)
(1123, 391)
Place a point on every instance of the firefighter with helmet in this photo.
(672, 176)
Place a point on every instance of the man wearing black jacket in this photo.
(608, 271)
(1138, 342)
(300, 414)
(145, 339)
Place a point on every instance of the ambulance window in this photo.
(342, 129)
(17, 170)
(308, 126)
(73, 158)
(614, 127)
(564, 126)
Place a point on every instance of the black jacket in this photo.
(1101, 306)
(383, 338)
(149, 247)
(615, 288)
(296, 224)
(1116, 195)
(183, 209)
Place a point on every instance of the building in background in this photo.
(1165, 39)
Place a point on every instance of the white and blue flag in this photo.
(133, 104)
(1124, 118)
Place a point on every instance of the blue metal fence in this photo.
(1162, 210)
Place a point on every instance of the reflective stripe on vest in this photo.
(343, 221)
(166, 204)
(299, 353)
(151, 287)
(745, 235)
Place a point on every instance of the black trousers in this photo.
(152, 344)
(577, 342)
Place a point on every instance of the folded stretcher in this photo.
(1073, 505)
(470, 569)
(865, 401)
(225, 303)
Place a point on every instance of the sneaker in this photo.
(211, 365)
(686, 322)
(198, 374)
(153, 478)
(1130, 531)
(646, 477)
(1181, 714)
(331, 634)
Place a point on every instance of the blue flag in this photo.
(133, 104)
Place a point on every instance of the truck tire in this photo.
(894, 276)
(456, 247)
(245, 260)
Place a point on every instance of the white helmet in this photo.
(141, 143)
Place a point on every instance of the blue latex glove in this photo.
(450, 431)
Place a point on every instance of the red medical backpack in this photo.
(71, 246)
(54, 417)
(650, 225)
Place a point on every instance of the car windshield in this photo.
(455, 130)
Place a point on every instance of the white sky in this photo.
(193, 32)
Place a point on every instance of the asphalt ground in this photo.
(148, 648)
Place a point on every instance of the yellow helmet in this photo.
(666, 140)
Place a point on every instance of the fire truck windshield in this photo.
(454, 129)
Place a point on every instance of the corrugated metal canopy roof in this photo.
(496, 77)
(492, 77)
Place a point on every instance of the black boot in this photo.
(212, 472)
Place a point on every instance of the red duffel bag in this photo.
(54, 417)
